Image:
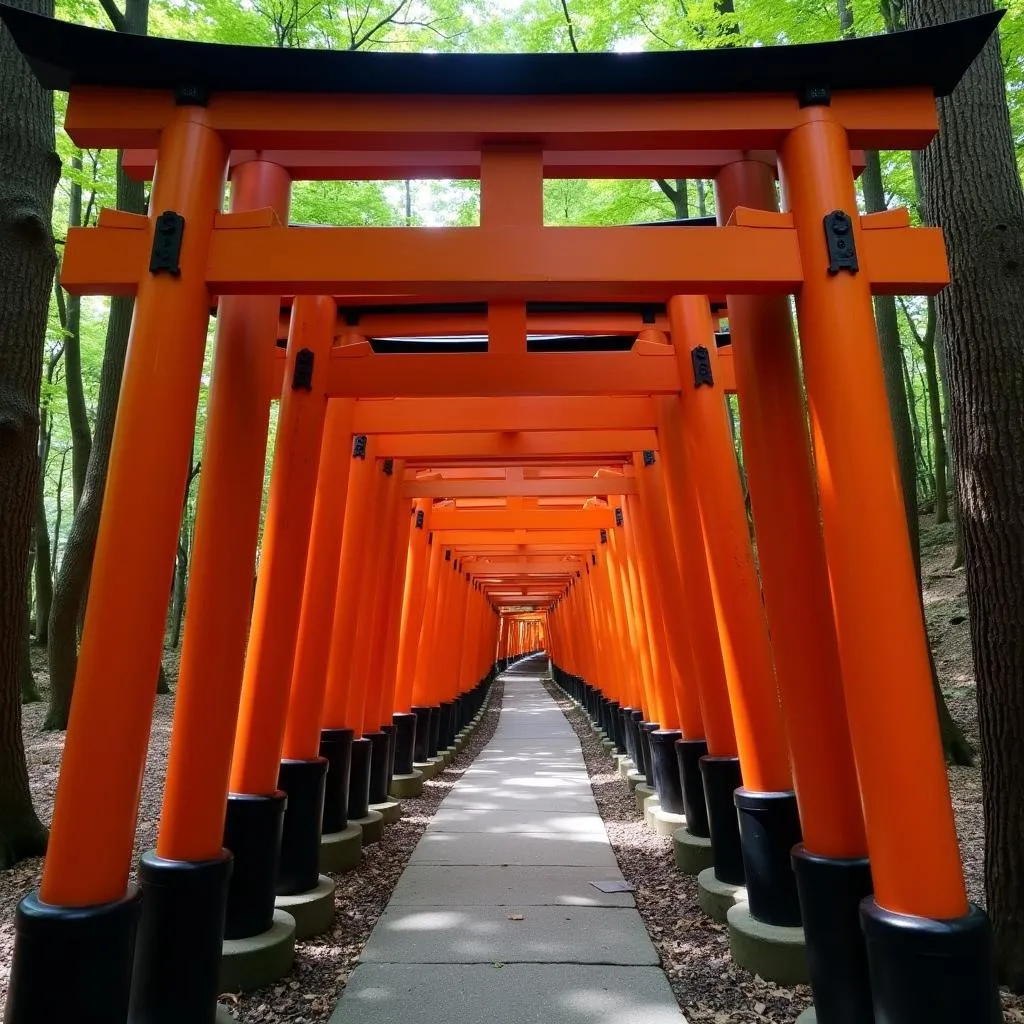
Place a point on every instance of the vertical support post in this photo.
(929, 952)
(84, 915)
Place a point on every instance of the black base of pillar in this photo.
(178, 948)
(930, 972)
(628, 739)
(435, 730)
(666, 769)
(634, 725)
(70, 960)
(378, 766)
(303, 782)
(722, 778)
(405, 742)
(614, 726)
(359, 779)
(446, 734)
(252, 832)
(389, 731)
(769, 829)
(336, 747)
(421, 750)
(831, 891)
(695, 807)
(646, 728)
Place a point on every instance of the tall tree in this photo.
(71, 587)
(980, 315)
(29, 171)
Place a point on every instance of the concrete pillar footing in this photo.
(663, 822)
(372, 826)
(625, 767)
(809, 1016)
(223, 1016)
(776, 953)
(429, 768)
(717, 898)
(341, 851)
(390, 811)
(608, 745)
(405, 786)
(651, 804)
(640, 794)
(693, 853)
(312, 910)
(635, 778)
(258, 960)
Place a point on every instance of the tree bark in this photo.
(70, 591)
(931, 375)
(980, 315)
(29, 171)
(29, 692)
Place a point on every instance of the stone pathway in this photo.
(494, 920)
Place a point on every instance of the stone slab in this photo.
(439, 886)
(717, 898)
(625, 767)
(466, 819)
(313, 911)
(495, 797)
(575, 935)
(372, 826)
(651, 804)
(258, 960)
(693, 853)
(223, 1016)
(640, 794)
(547, 848)
(775, 953)
(635, 778)
(390, 811)
(663, 822)
(341, 851)
(809, 1016)
(608, 745)
(405, 786)
(511, 994)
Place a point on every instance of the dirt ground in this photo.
(725, 994)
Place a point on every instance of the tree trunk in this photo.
(44, 581)
(29, 693)
(678, 194)
(980, 315)
(931, 376)
(58, 520)
(78, 415)
(178, 593)
(70, 591)
(29, 171)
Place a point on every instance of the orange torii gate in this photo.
(737, 115)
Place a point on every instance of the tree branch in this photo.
(568, 22)
(117, 19)
(386, 20)
(670, 192)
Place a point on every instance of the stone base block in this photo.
(390, 811)
(665, 823)
(313, 911)
(259, 959)
(651, 804)
(625, 767)
(372, 826)
(809, 1016)
(775, 953)
(717, 898)
(449, 753)
(341, 851)
(223, 1016)
(693, 853)
(608, 745)
(640, 794)
(430, 768)
(405, 786)
(635, 778)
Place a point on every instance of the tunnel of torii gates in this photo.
(494, 440)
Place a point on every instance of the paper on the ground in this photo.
(613, 886)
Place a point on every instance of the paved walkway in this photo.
(494, 920)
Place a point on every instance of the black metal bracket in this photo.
(389, 467)
(604, 535)
(419, 519)
(166, 254)
(448, 554)
(618, 517)
(359, 447)
(302, 375)
(593, 559)
(842, 249)
(700, 357)
(815, 96)
(192, 96)
(649, 457)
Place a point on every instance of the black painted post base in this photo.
(769, 829)
(930, 972)
(614, 725)
(722, 778)
(303, 782)
(634, 725)
(390, 732)
(666, 770)
(691, 783)
(378, 767)
(69, 958)
(831, 891)
(178, 947)
(646, 728)
(252, 832)
(628, 735)
(446, 734)
(421, 736)
(359, 780)
(435, 730)
(336, 747)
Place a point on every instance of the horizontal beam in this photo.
(542, 541)
(443, 520)
(517, 488)
(529, 444)
(106, 118)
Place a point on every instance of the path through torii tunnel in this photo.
(492, 442)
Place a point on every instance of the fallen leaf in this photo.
(516, 917)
